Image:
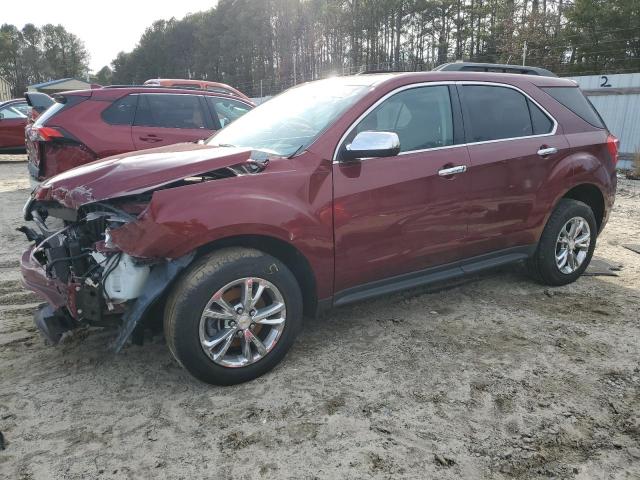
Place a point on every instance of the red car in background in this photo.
(14, 115)
(86, 125)
(214, 87)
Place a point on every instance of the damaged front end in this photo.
(98, 256)
(86, 279)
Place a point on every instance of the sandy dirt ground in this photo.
(495, 377)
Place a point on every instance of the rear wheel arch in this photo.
(288, 254)
(592, 196)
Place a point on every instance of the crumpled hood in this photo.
(137, 172)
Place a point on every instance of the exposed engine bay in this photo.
(74, 249)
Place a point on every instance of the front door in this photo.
(404, 213)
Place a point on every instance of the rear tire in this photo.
(197, 316)
(557, 242)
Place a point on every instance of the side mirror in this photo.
(372, 144)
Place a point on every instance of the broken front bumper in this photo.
(35, 278)
(52, 319)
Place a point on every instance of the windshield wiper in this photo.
(296, 151)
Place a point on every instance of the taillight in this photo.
(612, 145)
(44, 134)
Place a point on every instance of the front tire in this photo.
(566, 245)
(233, 316)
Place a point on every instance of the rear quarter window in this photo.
(574, 100)
(122, 111)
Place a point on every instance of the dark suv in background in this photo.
(86, 125)
(330, 193)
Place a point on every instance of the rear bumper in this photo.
(34, 278)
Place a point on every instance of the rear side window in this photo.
(122, 111)
(226, 110)
(170, 111)
(574, 100)
(493, 113)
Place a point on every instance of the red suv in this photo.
(87, 125)
(331, 193)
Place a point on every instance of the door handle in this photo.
(544, 151)
(445, 172)
(150, 139)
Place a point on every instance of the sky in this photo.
(105, 27)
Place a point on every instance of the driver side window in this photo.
(421, 117)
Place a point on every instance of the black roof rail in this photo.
(494, 68)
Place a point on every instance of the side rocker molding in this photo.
(433, 274)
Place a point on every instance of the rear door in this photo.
(117, 138)
(167, 118)
(12, 123)
(513, 146)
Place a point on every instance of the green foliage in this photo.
(34, 55)
(268, 45)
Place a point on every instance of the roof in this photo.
(55, 82)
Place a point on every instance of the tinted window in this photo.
(574, 100)
(122, 111)
(170, 111)
(541, 123)
(420, 116)
(492, 113)
(227, 110)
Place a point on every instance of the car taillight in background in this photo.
(43, 134)
(613, 144)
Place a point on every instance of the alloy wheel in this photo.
(572, 245)
(242, 322)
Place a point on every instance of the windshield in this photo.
(291, 121)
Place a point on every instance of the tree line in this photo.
(33, 55)
(267, 45)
